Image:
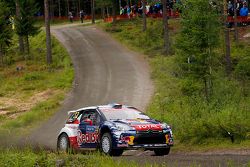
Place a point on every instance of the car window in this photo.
(73, 116)
(123, 113)
(92, 115)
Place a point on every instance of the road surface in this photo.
(106, 71)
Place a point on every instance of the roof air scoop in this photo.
(116, 105)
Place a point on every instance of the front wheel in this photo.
(106, 146)
(162, 151)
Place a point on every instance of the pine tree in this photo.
(197, 42)
(5, 30)
(103, 4)
(25, 24)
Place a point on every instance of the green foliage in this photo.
(197, 41)
(150, 41)
(103, 3)
(179, 96)
(28, 157)
(25, 24)
(36, 77)
(5, 28)
(241, 57)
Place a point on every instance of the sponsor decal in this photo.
(148, 127)
(169, 140)
(86, 138)
(128, 139)
(90, 129)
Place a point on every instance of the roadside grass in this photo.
(33, 93)
(27, 157)
(195, 124)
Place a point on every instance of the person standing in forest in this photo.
(81, 16)
(71, 17)
(244, 13)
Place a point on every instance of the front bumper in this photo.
(143, 146)
(143, 141)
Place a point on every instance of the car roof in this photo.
(109, 106)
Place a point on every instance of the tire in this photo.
(106, 146)
(117, 152)
(63, 144)
(162, 151)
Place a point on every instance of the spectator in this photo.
(244, 13)
(81, 16)
(121, 10)
(230, 9)
(128, 12)
(71, 17)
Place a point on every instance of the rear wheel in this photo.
(162, 151)
(63, 144)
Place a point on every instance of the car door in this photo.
(89, 129)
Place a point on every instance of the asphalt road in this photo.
(106, 71)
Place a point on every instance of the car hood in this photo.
(141, 124)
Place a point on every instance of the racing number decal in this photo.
(76, 114)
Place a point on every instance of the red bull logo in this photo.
(87, 138)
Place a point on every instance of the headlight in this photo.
(165, 126)
(123, 127)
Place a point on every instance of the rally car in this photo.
(114, 128)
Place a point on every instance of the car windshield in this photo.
(123, 114)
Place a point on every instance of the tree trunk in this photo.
(235, 23)
(93, 11)
(107, 11)
(144, 17)
(27, 45)
(1, 55)
(68, 6)
(114, 11)
(103, 12)
(51, 9)
(227, 42)
(48, 36)
(59, 8)
(166, 29)
(20, 38)
(79, 7)
(206, 89)
(228, 52)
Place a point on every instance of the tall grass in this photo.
(27, 157)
